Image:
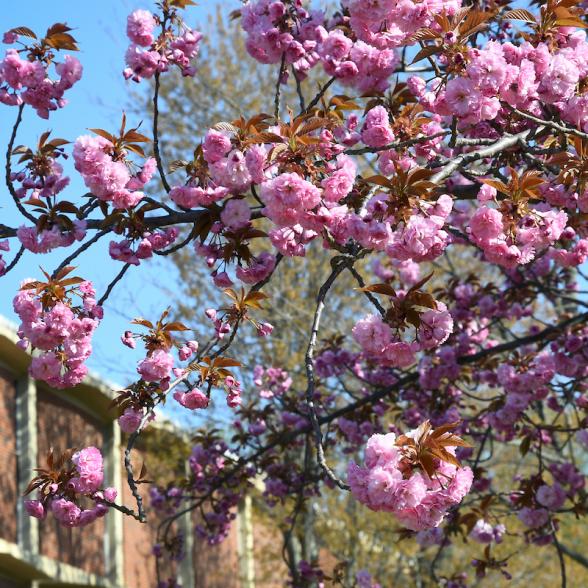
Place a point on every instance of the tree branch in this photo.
(156, 151)
(338, 264)
(549, 123)
(9, 183)
(112, 284)
(489, 151)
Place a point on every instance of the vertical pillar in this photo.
(245, 543)
(26, 451)
(113, 539)
(187, 571)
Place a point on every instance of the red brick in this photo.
(8, 487)
(62, 425)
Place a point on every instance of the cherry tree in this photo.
(440, 131)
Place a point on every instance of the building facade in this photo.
(115, 551)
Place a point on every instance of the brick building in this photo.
(115, 551)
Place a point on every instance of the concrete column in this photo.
(113, 539)
(186, 568)
(27, 460)
(245, 543)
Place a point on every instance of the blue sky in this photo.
(96, 101)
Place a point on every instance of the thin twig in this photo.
(279, 87)
(156, 151)
(159, 204)
(398, 145)
(13, 263)
(112, 284)
(549, 123)
(359, 279)
(9, 183)
(338, 264)
(141, 517)
(577, 557)
(78, 251)
(299, 90)
(121, 508)
(562, 563)
(318, 97)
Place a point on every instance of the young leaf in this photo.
(24, 31)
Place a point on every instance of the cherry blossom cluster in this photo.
(133, 251)
(484, 532)
(390, 482)
(193, 382)
(356, 434)
(208, 464)
(533, 233)
(286, 32)
(389, 23)
(521, 385)
(48, 239)
(43, 179)
(526, 76)
(59, 326)
(378, 340)
(281, 30)
(27, 81)
(538, 501)
(38, 184)
(469, 208)
(105, 171)
(227, 171)
(272, 382)
(176, 44)
(334, 360)
(363, 66)
(4, 246)
(65, 494)
(302, 212)
(258, 268)
(225, 321)
(280, 404)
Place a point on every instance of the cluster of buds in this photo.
(226, 319)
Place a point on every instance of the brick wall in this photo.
(270, 569)
(6, 583)
(8, 487)
(216, 566)
(62, 425)
(138, 538)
